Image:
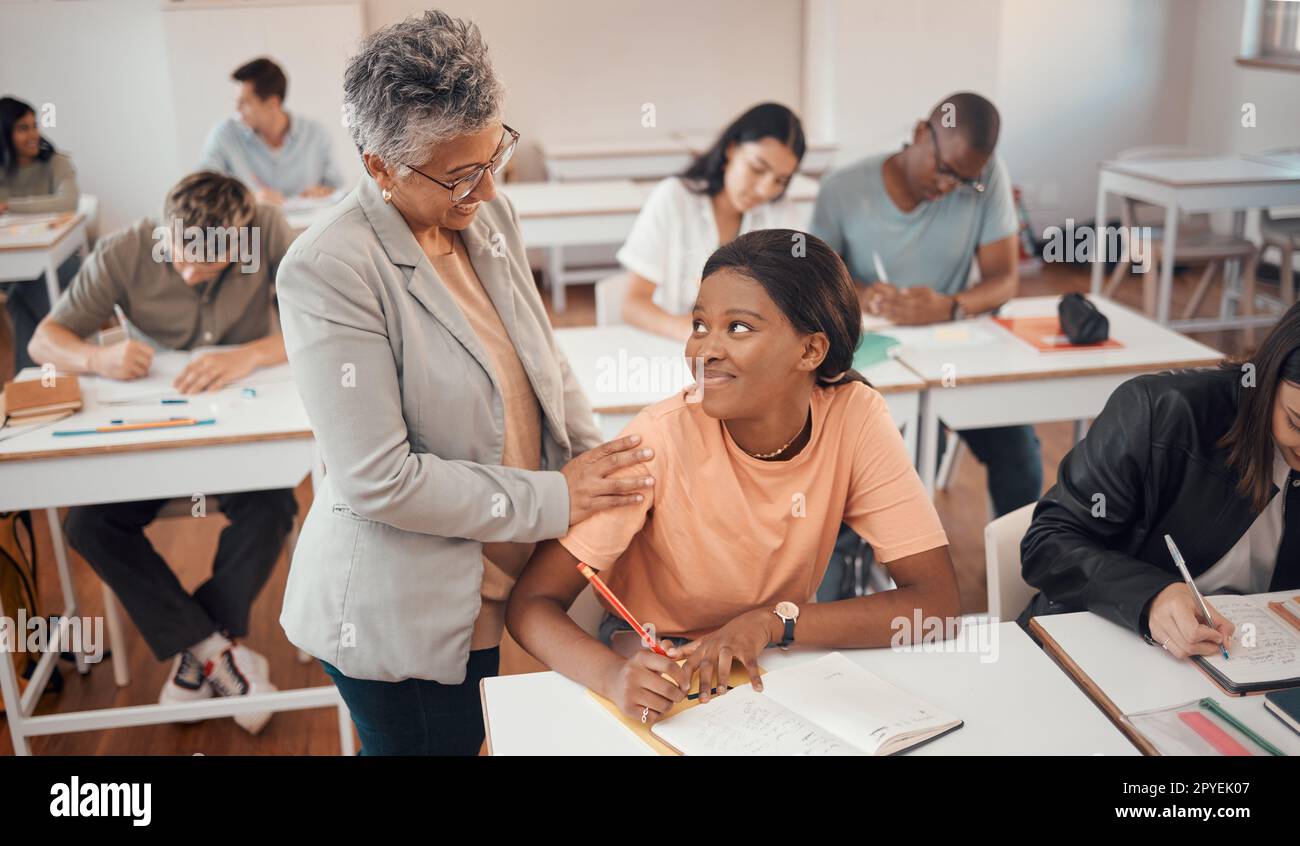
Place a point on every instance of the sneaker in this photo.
(185, 684)
(239, 671)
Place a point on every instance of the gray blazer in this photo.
(409, 420)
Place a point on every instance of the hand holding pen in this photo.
(1182, 621)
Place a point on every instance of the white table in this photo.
(1123, 674)
(818, 156)
(257, 443)
(555, 215)
(26, 255)
(1227, 183)
(652, 156)
(623, 369)
(993, 378)
(1018, 704)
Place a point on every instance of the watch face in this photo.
(787, 610)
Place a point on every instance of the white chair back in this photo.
(610, 293)
(1008, 593)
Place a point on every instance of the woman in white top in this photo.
(737, 186)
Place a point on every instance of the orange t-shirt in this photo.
(722, 532)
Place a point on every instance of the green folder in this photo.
(873, 348)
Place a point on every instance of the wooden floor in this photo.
(188, 544)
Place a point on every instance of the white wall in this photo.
(136, 88)
(581, 69)
(1077, 83)
(104, 68)
(1219, 88)
(1074, 84)
(891, 62)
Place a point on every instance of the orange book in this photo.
(35, 397)
(1044, 334)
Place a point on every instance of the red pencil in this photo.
(613, 600)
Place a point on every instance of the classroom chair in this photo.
(1198, 246)
(1284, 234)
(113, 615)
(88, 205)
(610, 294)
(1008, 593)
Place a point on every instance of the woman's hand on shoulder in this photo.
(588, 476)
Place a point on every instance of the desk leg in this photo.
(909, 438)
(1099, 266)
(347, 746)
(1165, 293)
(555, 272)
(13, 700)
(65, 577)
(929, 442)
(52, 279)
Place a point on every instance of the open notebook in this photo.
(828, 706)
(1265, 649)
(167, 365)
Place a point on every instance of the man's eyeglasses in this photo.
(946, 172)
(465, 185)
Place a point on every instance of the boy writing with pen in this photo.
(183, 298)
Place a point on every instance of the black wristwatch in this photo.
(958, 310)
(789, 614)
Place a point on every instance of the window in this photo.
(1270, 35)
(1279, 35)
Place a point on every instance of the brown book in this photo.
(32, 397)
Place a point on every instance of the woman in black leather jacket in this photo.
(1200, 455)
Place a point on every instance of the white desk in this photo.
(1227, 183)
(27, 251)
(256, 444)
(1018, 704)
(623, 369)
(995, 379)
(818, 156)
(1123, 674)
(555, 215)
(654, 156)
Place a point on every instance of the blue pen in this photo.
(1187, 577)
(122, 421)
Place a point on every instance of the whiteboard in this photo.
(310, 41)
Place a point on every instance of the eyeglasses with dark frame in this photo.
(947, 172)
(465, 185)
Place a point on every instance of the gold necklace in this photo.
(775, 453)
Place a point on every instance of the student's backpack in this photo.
(18, 590)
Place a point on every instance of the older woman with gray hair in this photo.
(447, 419)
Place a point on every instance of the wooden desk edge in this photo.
(487, 724)
(121, 449)
(1135, 369)
(1089, 687)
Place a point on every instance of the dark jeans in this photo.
(1014, 462)
(416, 716)
(27, 304)
(111, 539)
